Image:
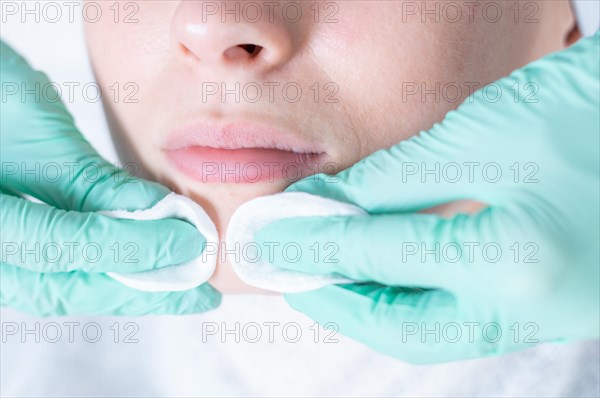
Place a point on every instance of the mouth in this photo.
(240, 153)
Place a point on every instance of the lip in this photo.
(240, 153)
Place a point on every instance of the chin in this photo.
(220, 201)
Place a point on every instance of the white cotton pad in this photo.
(256, 214)
(176, 277)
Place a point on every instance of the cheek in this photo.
(402, 77)
(132, 51)
(126, 58)
(130, 43)
(369, 71)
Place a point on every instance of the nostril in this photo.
(251, 49)
(242, 52)
(186, 51)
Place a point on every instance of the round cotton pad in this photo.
(176, 277)
(256, 214)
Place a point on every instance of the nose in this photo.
(250, 34)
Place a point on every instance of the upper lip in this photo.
(237, 135)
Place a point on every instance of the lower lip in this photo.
(242, 166)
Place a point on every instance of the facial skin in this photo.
(362, 58)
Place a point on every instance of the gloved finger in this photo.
(6, 191)
(79, 293)
(396, 250)
(44, 154)
(414, 325)
(44, 239)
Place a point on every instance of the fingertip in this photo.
(268, 233)
(309, 301)
(184, 241)
(193, 301)
(276, 239)
(135, 194)
(299, 301)
(200, 299)
(208, 298)
(283, 231)
(155, 192)
(313, 184)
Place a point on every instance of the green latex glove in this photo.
(50, 264)
(545, 284)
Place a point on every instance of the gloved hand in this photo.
(54, 256)
(440, 289)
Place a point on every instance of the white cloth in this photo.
(177, 357)
(251, 263)
(181, 276)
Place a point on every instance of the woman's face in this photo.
(224, 101)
